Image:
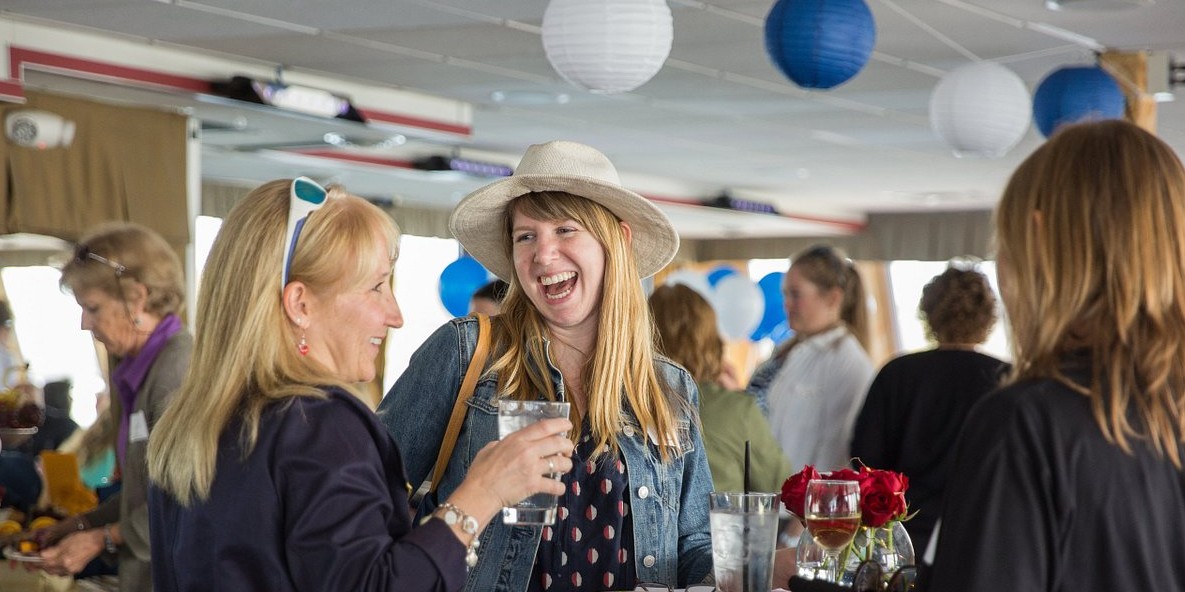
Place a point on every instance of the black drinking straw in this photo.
(745, 508)
(747, 488)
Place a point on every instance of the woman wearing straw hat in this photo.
(573, 244)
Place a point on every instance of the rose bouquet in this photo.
(882, 508)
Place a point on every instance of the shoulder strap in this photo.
(476, 367)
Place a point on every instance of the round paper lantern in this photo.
(1077, 93)
(719, 273)
(775, 306)
(607, 46)
(819, 43)
(459, 280)
(692, 279)
(980, 110)
(739, 306)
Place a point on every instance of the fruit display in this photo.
(20, 536)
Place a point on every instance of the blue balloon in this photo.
(459, 280)
(720, 273)
(820, 43)
(775, 308)
(781, 332)
(1081, 93)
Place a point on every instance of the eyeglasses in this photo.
(870, 578)
(652, 587)
(82, 253)
(304, 197)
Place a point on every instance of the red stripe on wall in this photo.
(844, 224)
(354, 157)
(20, 57)
(12, 91)
(396, 119)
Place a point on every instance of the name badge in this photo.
(137, 427)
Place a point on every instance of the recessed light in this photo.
(1096, 4)
(529, 97)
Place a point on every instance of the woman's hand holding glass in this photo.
(524, 463)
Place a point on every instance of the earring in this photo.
(302, 346)
(136, 321)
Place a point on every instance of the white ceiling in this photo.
(718, 116)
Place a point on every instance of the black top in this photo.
(911, 418)
(1039, 500)
(321, 503)
(591, 544)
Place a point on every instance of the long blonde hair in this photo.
(620, 370)
(244, 356)
(1091, 232)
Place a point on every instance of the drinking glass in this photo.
(744, 535)
(833, 517)
(512, 417)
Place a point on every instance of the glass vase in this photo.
(890, 546)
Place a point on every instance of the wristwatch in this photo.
(108, 542)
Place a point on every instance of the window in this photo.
(906, 280)
(47, 323)
(417, 288)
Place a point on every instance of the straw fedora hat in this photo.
(573, 168)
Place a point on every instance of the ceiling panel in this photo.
(718, 115)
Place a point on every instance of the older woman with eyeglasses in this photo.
(130, 285)
(289, 482)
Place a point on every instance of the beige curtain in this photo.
(124, 164)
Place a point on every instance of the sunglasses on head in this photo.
(83, 253)
(304, 197)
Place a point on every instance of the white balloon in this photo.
(739, 305)
(692, 279)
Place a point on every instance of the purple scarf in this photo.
(129, 376)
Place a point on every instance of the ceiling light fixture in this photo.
(462, 165)
(529, 97)
(1059, 5)
(288, 97)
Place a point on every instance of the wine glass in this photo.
(833, 517)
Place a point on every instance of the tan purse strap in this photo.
(476, 367)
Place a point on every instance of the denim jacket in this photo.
(668, 502)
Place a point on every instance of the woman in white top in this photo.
(815, 383)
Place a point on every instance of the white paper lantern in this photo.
(692, 279)
(981, 109)
(607, 46)
(739, 306)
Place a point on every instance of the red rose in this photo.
(794, 491)
(845, 475)
(882, 497)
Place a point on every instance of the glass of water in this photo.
(744, 535)
(512, 417)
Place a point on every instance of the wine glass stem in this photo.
(830, 561)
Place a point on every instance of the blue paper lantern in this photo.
(719, 273)
(1074, 94)
(459, 280)
(820, 43)
(775, 307)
